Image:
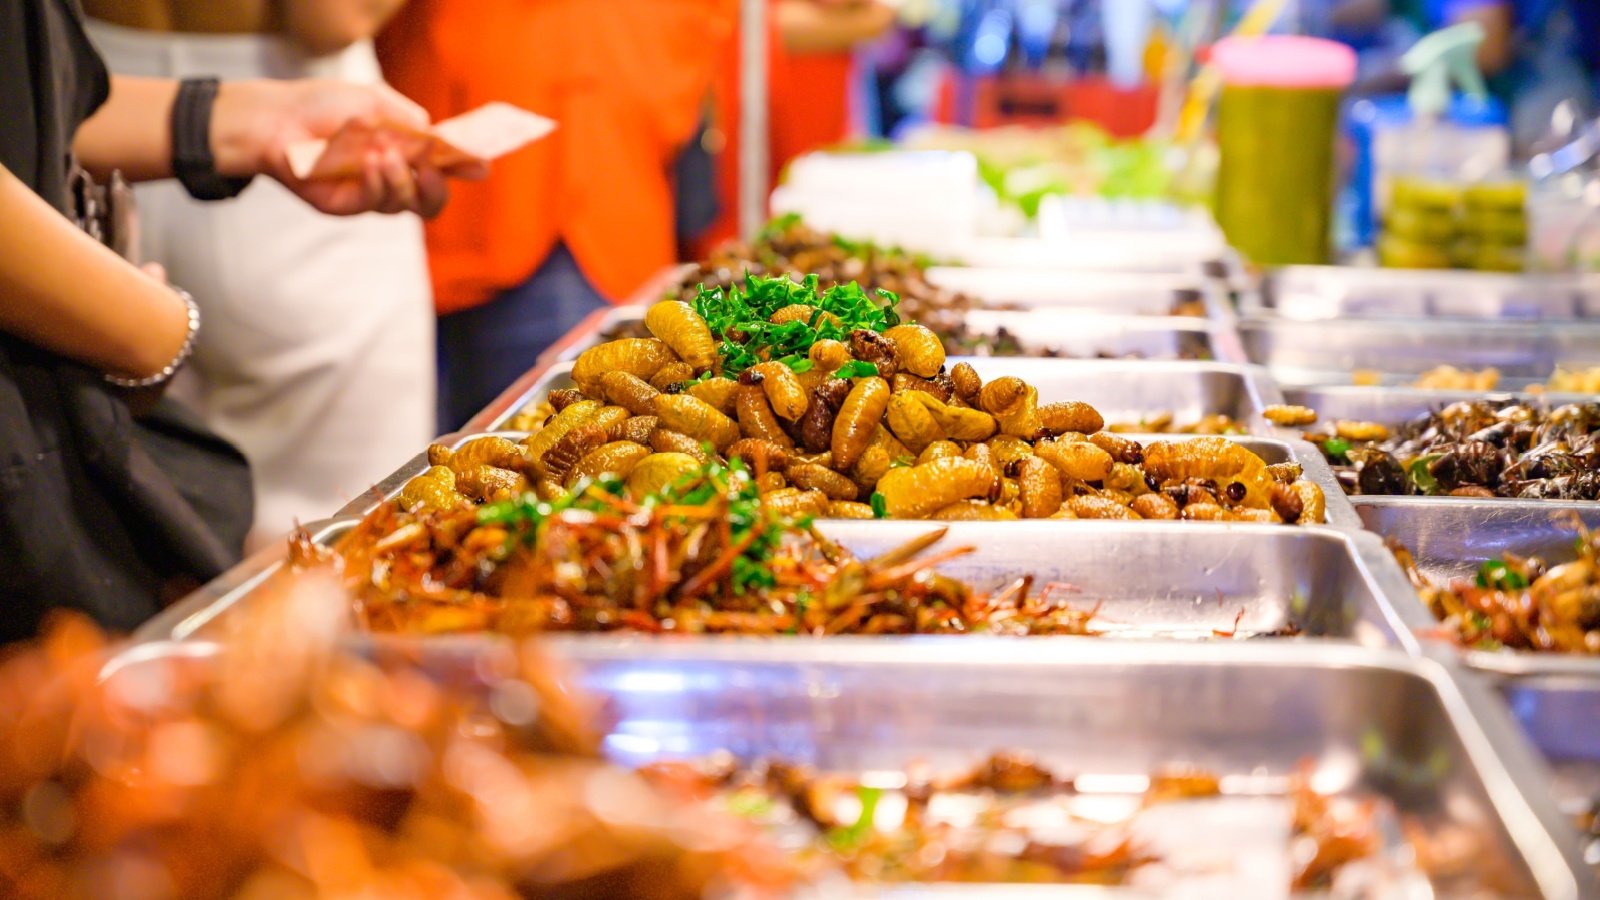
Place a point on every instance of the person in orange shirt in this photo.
(585, 216)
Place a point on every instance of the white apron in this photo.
(316, 351)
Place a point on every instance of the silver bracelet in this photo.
(184, 352)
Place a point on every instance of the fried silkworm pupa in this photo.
(959, 423)
(861, 412)
(697, 419)
(1008, 450)
(760, 453)
(615, 458)
(671, 376)
(802, 312)
(629, 392)
(489, 483)
(1313, 505)
(1214, 459)
(966, 382)
(656, 471)
(918, 350)
(1039, 488)
(782, 387)
(973, 511)
(719, 392)
(1071, 415)
(756, 419)
(913, 492)
(911, 421)
(1154, 505)
(433, 489)
(870, 346)
(827, 355)
(678, 326)
(561, 398)
(793, 503)
(643, 357)
(849, 509)
(484, 451)
(1077, 460)
(635, 428)
(665, 440)
(539, 443)
(1122, 449)
(1014, 404)
(938, 450)
(883, 453)
(1089, 506)
(935, 387)
(812, 477)
(1286, 415)
(573, 446)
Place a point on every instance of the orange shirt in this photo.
(625, 81)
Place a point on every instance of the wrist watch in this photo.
(192, 162)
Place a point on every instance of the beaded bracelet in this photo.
(184, 352)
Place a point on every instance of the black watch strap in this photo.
(192, 162)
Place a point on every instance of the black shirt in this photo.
(51, 79)
(98, 511)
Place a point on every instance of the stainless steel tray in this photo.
(1123, 390)
(1450, 536)
(1408, 729)
(1067, 333)
(1558, 715)
(1327, 352)
(1126, 293)
(1335, 292)
(1160, 580)
(1395, 405)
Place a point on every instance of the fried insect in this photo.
(1070, 416)
(671, 377)
(628, 391)
(484, 451)
(635, 428)
(938, 386)
(1077, 460)
(678, 326)
(1360, 431)
(1089, 506)
(795, 503)
(1286, 415)
(973, 511)
(433, 489)
(643, 357)
(577, 443)
(1039, 487)
(1313, 505)
(654, 472)
(489, 483)
(911, 422)
(918, 350)
(1122, 449)
(883, 453)
(966, 383)
(697, 419)
(665, 440)
(1014, 404)
(912, 492)
(1154, 505)
(756, 419)
(1211, 458)
(812, 477)
(861, 412)
(849, 509)
(539, 443)
(827, 355)
(719, 392)
(801, 312)
(561, 398)
(784, 392)
(872, 347)
(1008, 450)
(960, 423)
(816, 426)
(938, 450)
(760, 454)
(615, 458)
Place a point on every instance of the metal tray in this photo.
(1123, 293)
(1335, 292)
(1395, 405)
(1450, 536)
(1326, 352)
(1122, 390)
(1558, 715)
(1068, 333)
(1160, 580)
(1376, 722)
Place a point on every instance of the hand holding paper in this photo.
(476, 137)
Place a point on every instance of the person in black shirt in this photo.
(100, 509)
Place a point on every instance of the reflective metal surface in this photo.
(1394, 405)
(1123, 293)
(1327, 352)
(1333, 292)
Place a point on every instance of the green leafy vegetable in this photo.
(1336, 448)
(1495, 574)
(739, 318)
(856, 368)
(880, 506)
(1420, 476)
(856, 834)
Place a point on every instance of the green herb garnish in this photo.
(880, 506)
(739, 318)
(1420, 476)
(856, 368)
(1495, 574)
(1335, 449)
(855, 835)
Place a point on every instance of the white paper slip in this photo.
(486, 133)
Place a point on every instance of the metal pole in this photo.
(753, 150)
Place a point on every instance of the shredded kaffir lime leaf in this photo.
(739, 318)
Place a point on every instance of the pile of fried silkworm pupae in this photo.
(844, 411)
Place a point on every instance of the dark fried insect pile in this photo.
(1478, 448)
(853, 414)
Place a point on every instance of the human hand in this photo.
(255, 122)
